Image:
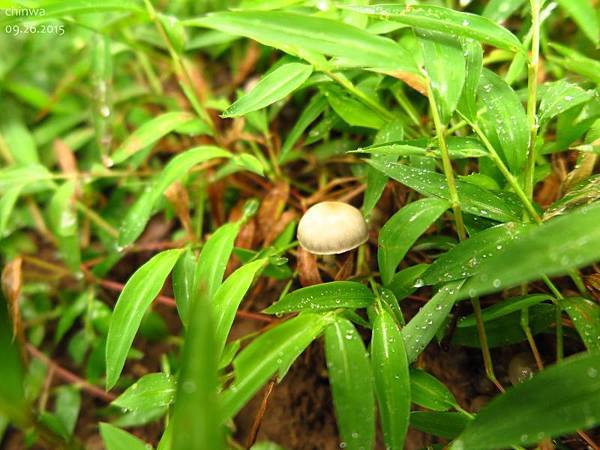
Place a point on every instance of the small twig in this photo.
(69, 376)
(259, 415)
(170, 301)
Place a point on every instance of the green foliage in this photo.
(561, 399)
(351, 381)
(137, 295)
(139, 139)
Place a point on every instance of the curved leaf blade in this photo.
(424, 325)
(463, 260)
(558, 400)
(197, 423)
(272, 351)
(555, 247)
(503, 121)
(438, 18)
(392, 385)
(149, 133)
(228, 298)
(150, 391)
(428, 392)
(116, 439)
(138, 215)
(585, 315)
(323, 297)
(137, 295)
(402, 230)
(302, 34)
(351, 381)
(474, 200)
(271, 88)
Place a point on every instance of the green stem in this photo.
(349, 86)
(532, 77)
(183, 77)
(510, 178)
(447, 164)
(485, 348)
(440, 129)
(527, 330)
(95, 217)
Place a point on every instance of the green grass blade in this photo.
(197, 423)
(302, 35)
(138, 215)
(137, 295)
(150, 391)
(556, 247)
(429, 392)
(474, 200)
(585, 315)
(503, 121)
(351, 380)
(271, 88)
(439, 52)
(323, 297)
(228, 298)
(149, 133)
(424, 325)
(273, 351)
(402, 230)
(556, 401)
(438, 18)
(116, 439)
(392, 384)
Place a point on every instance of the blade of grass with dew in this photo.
(445, 20)
(274, 351)
(422, 328)
(402, 230)
(585, 315)
(351, 380)
(559, 400)
(323, 297)
(474, 200)
(392, 383)
(150, 391)
(555, 247)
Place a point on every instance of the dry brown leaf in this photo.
(178, 197)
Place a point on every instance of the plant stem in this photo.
(98, 220)
(510, 178)
(485, 348)
(460, 228)
(527, 330)
(447, 164)
(183, 77)
(532, 79)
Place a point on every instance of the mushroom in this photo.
(330, 228)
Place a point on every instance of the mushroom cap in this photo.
(329, 228)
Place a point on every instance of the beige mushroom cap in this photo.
(328, 228)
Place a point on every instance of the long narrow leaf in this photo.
(137, 295)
